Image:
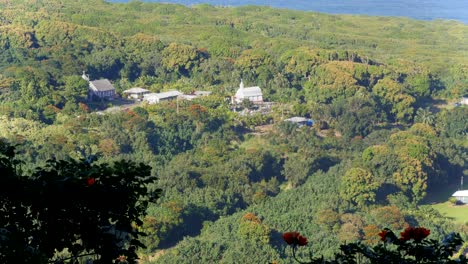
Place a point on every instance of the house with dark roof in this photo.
(99, 89)
(102, 89)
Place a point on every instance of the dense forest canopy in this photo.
(387, 139)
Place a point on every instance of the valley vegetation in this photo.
(386, 139)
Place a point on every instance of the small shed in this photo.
(154, 98)
(135, 92)
(461, 196)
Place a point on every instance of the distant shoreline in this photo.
(430, 10)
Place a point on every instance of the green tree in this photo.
(419, 84)
(180, 57)
(252, 228)
(358, 186)
(75, 87)
(85, 208)
(356, 116)
(105, 63)
(300, 62)
(453, 123)
(425, 116)
(388, 217)
(328, 218)
(412, 178)
(398, 104)
(297, 168)
(162, 225)
(247, 104)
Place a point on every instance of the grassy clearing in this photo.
(458, 213)
(255, 143)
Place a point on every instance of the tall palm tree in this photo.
(425, 116)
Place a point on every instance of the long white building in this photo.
(154, 98)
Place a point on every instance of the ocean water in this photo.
(417, 9)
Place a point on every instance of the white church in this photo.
(253, 94)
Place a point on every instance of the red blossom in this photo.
(295, 239)
(383, 235)
(90, 181)
(420, 233)
(416, 233)
(302, 241)
(289, 237)
(406, 235)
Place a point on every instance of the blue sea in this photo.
(417, 9)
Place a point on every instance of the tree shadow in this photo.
(325, 163)
(440, 195)
(193, 218)
(434, 105)
(385, 190)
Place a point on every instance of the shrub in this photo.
(411, 247)
(453, 200)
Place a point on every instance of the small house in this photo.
(461, 196)
(300, 121)
(154, 98)
(253, 94)
(135, 93)
(101, 89)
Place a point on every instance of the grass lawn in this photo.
(458, 213)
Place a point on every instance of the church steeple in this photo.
(85, 76)
(241, 86)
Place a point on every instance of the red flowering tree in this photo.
(81, 209)
(295, 239)
(415, 233)
(413, 246)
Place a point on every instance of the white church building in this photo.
(253, 94)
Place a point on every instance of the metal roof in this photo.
(102, 85)
(252, 91)
(164, 94)
(297, 119)
(461, 193)
(188, 96)
(136, 90)
(202, 93)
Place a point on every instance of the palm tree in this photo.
(425, 116)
